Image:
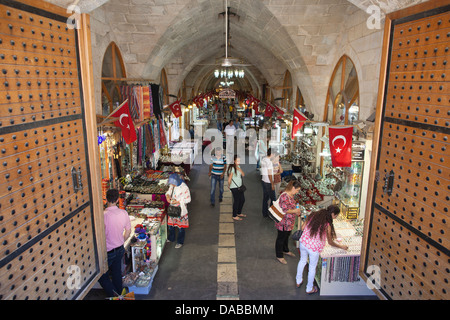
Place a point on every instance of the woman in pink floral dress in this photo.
(317, 229)
(285, 226)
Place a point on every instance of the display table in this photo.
(146, 249)
(338, 270)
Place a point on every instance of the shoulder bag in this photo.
(275, 211)
(173, 211)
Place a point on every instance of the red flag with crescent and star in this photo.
(255, 103)
(269, 111)
(176, 109)
(341, 139)
(125, 122)
(297, 122)
(279, 110)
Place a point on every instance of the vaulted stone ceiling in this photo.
(187, 35)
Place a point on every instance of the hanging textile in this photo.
(139, 147)
(149, 141)
(156, 98)
(140, 100)
(162, 133)
(146, 102)
(156, 136)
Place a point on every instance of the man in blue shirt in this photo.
(217, 172)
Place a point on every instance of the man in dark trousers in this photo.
(117, 230)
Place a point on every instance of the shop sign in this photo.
(358, 148)
(227, 94)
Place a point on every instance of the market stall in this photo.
(323, 184)
(338, 270)
(146, 205)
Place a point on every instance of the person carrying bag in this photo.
(178, 196)
(237, 188)
(288, 205)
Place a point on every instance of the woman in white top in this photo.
(235, 175)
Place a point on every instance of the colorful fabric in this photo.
(146, 102)
(182, 222)
(286, 203)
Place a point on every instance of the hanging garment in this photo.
(156, 98)
(162, 133)
(148, 141)
(146, 102)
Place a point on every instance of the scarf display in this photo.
(342, 269)
(140, 100)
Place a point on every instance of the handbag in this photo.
(172, 211)
(242, 188)
(275, 211)
(297, 235)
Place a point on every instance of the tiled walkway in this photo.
(227, 278)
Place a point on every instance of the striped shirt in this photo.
(218, 165)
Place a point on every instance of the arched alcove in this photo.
(113, 70)
(342, 102)
(286, 92)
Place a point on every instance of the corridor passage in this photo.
(223, 259)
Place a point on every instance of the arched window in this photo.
(286, 93)
(113, 72)
(300, 101)
(342, 104)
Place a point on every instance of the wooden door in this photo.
(407, 231)
(48, 244)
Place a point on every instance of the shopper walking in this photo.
(262, 152)
(117, 230)
(277, 171)
(235, 175)
(217, 170)
(267, 182)
(230, 131)
(285, 226)
(220, 118)
(317, 229)
(178, 195)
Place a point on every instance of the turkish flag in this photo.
(255, 103)
(176, 109)
(340, 140)
(269, 111)
(125, 122)
(199, 100)
(298, 122)
(279, 110)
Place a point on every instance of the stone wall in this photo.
(305, 37)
